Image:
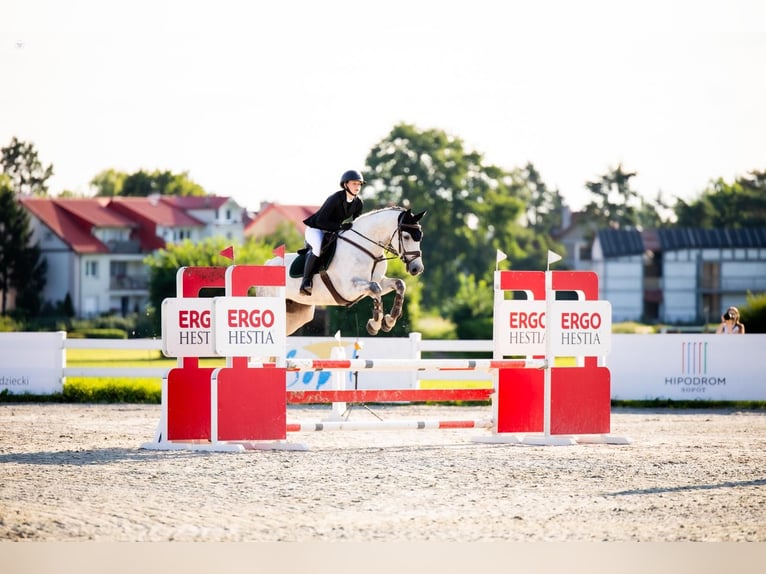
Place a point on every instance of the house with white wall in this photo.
(576, 235)
(678, 275)
(95, 247)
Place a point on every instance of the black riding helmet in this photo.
(350, 175)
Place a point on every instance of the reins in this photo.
(405, 256)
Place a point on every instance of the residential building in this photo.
(678, 275)
(272, 215)
(576, 235)
(95, 247)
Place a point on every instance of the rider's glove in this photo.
(345, 226)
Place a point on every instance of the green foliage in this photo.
(435, 327)
(615, 203)
(9, 324)
(737, 205)
(286, 234)
(753, 315)
(22, 268)
(631, 328)
(108, 183)
(105, 334)
(165, 263)
(115, 390)
(144, 184)
(22, 165)
(473, 208)
(471, 309)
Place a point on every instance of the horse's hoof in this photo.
(388, 323)
(371, 328)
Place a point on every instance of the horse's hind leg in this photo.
(298, 315)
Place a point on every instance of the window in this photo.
(91, 268)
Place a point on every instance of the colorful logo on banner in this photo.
(695, 368)
(694, 358)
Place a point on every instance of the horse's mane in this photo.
(375, 211)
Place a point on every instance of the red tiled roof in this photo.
(64, 225)
(94, 212)
(154, 211)
(263, 223)
(195, 201)
(72, 219)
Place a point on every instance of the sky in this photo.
(273, 101)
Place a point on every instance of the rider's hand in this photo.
(345, 226)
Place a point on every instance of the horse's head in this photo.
(410, 235)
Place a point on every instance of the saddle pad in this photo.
(328, 250)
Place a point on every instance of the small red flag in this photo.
(228, 252)
(280, 251)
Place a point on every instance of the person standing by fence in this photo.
(730, 323)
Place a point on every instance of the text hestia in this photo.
(247, 322)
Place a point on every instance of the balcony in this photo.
(733, 284)
(127, 246)
(125, 283)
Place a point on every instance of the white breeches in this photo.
(314, 239)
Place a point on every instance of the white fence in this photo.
(668, 366)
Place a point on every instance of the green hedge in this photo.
(100, 334)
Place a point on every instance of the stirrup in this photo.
(306, 287)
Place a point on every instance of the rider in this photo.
(342, 205)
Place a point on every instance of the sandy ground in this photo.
(77, 473)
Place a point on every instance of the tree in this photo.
(544, 206)
(741, 204)
(471, 206)
(22, 165)
(21, 266)
(144, 184)
(615, 203)
(165, 263)
(108, 182)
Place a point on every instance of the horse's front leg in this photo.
(390, 284)
(374, 291)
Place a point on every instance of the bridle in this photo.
(406, 257)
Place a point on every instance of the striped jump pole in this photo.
(388, 396)
(298, 364)
(388, 425)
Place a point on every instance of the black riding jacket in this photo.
(334, 211)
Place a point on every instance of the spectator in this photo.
(730, 323)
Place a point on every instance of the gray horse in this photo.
(358, 268)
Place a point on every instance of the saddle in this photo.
(329, 243)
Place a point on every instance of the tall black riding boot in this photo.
(308, 273)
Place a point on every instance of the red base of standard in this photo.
(188, 404)
(580, 400)
(252, 404)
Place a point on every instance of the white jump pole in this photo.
(338, 382)
(547, 438)
(301, 364)
(388, 425)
